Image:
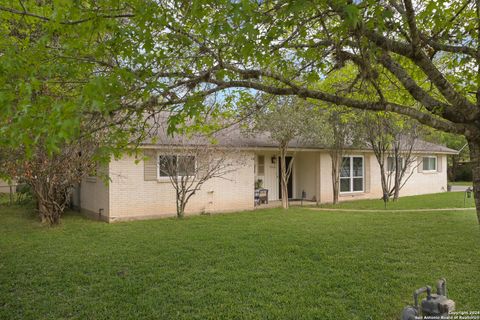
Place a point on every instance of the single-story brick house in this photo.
(137, 191)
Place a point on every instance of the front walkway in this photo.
(391, 210)
(292, 203)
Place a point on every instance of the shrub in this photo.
(464, 172)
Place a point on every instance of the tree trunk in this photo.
(396, 194)
(50, 202)
(397, 182)
(335, 192)
(285, 203)
(11, 193)
(383, 179)
(283, 178)
(180, 205)
(48, 212)
(335, 175)
(474, 146)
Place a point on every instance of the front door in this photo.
(288, 160)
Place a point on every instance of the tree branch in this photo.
(422, 117)
(470, 112)
(72, 22)
(417, 92)
(410, 15)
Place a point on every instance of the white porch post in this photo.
(317, 178)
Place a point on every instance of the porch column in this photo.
(317, 178)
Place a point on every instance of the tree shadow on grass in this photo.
(27, 212)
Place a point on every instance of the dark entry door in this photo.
(290, 179)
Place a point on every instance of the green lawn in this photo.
(437, 201)
(267, 264)
(16, 198)
(4, 198)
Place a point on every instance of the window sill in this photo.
(352, 194)
(167, 179)
(429, 171)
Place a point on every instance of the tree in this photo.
(189, 160)
(336, 129)
(392, 139)
(341, 133)
(282, 48)
(62, 110)
(51, 177)
(285, 119)
(53, 174)
(52, 79)
(183, 52)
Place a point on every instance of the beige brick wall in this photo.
(94, 196)
(419, 182)
(131, 197)
(305, 174)
(426, 182)
(128, 196)
(270, 176)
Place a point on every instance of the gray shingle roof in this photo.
(235, 136)
(421, 145)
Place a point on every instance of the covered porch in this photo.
(304, 182)
(291, 203)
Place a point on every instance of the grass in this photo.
(428, 201)
(461, 183)
(17, 198)
(4, 198)
(267, 264)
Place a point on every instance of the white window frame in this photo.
(351, 177)
(436, 163)
(164, 178)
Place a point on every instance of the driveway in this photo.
(459, 188)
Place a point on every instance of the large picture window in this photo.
(429, 164)
(351, 174)
(175, 165)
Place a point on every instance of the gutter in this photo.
(160, 147)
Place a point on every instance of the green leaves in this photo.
(352, 15)
(61, 80)
(313, 77)
(109, 69)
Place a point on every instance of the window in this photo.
(186, 165)
(351, 174)
(391, 164)
(261, 165)
(174, 165)
(429, 163)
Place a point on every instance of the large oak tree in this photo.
(181, 52)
